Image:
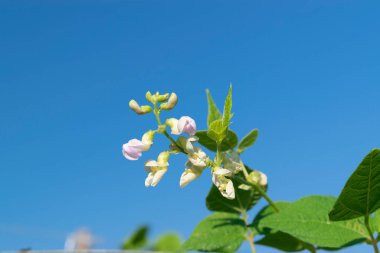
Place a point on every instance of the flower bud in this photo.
(149, 97)
(258, 177)
(139, 109)
(161, 98)
(171, 102)
(147, 138)
(173, 124)
(163, 157)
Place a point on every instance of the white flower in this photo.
(156, 169)
(184, 125)
(190, 174)
(194, 154)
(224, 185)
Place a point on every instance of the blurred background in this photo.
(305, 72)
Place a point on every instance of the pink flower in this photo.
(187, 125)
(133, 149)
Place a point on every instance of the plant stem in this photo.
(218, 154)
(373, 240)
(249, 236)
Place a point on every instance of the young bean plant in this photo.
(311, 223)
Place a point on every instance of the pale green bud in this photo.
(149, 97)
(258, 177)
(163, 157)
(173, 124)
(173, 99)
(139, 109)
(147, 138)
(161, 98)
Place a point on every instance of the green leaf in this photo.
(217, 131)
(169, 242)
(137, 240)
(228, 143)
(376, 221)
(227, 108)
(283, 242)
(360, 195)
(244, 199)
(307, 220)
(219, 232)
(213, 111)
(248, 140)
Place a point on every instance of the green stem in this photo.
(218, 154)
(249, 235)
(373, 240)
(262, 193)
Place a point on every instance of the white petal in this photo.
(222, 171)
(230, 191)
(187, 177)
(149, 179)
(157, 177)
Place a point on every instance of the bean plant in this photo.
(311, 223)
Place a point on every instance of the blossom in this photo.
(156, 169)
(187, 125)
(184, 125)
(172, 101)
(139, 109)
(190, 174)
(194, 154)
(132, 150)
(224, 185)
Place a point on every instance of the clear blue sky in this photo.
(305, 72)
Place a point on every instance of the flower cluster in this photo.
(133, 149)
(223, 168)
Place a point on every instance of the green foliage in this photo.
(307, 220)
(360, 195)
(227, 108)
(376, 221)
(169, 242)
(137, 240)
(228, 143)
(283, 242)
(213, 111)
(219, 232)
(244, 199)
(217, 131)
(248, 140)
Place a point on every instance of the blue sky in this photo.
(305, 72)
